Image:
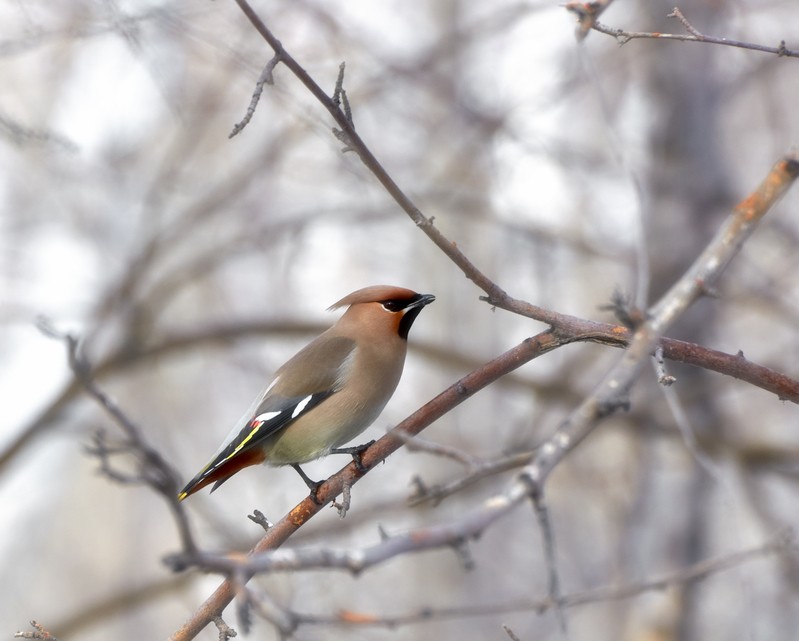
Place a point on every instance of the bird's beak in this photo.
(420, 301)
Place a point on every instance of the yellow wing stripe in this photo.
(243, 442)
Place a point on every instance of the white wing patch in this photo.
(301, 406)
(266, 416)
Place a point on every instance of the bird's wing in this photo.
(286, 398)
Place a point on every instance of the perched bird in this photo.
(328, 393)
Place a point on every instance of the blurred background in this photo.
(192, 266)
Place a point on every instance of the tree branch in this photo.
(154, 470)
(694, 35)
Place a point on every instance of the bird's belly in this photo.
(304, 441)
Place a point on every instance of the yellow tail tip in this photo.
(182, 496)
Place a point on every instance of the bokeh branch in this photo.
(612, 393)
(153, 470)
(782, 545)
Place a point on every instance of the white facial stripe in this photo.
(301, 406)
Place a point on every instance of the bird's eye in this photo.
(392, 306)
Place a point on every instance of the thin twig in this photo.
(623, 37)
(266, 78)
(346, 498)
(676, 13)
(155, 471)
(550, 554)
(664, 378)
(287, 621)
(340, 95)
(225, 631)
(419, 444)
(437, 493)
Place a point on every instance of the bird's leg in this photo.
(356, 452)
(312, 485)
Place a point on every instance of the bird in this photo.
(327, 393)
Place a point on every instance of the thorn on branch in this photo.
(266, 78)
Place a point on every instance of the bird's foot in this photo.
(312, 485)
(356, 452)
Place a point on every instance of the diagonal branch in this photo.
(450, 249)
(454, 395)
(611, 394)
